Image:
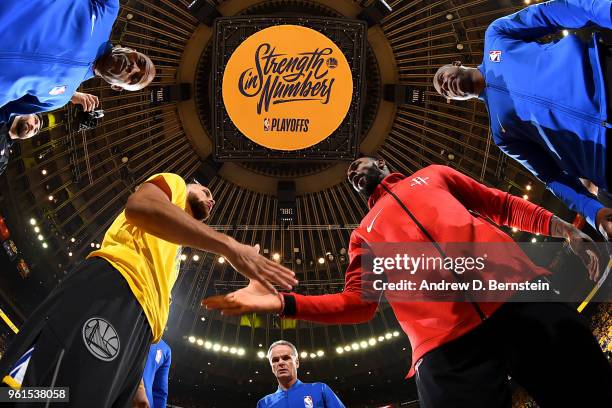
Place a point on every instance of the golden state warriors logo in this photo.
(287, 87)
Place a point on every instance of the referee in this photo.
(93, 333)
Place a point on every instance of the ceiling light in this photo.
(388, 336)
(321, 260)
(276, 256)
(363, 344)
(97, 245)
(183, 257)
(40, 237)
(303, 354)
(93, 244)
(192, 339)
(528, 187)
(43, 172)
(200, 342)
(525, 197)
(203, 318)
(196, 258)
(355, 346)
(339, 350)
(221, 260)
(533, 240)
(381, 338)
(320, 353)
(207, 345)
(216, 347)
(225, 349)
(50, 198)
(32, 221)
(72, 239)
(372, 341)
(261, 354)
(69, 253)
(44, 245)
(514, 229)
(395, 333)
(313, 355)
(565, 33)
(449, 16)
(240, 352)
(347, 348)
(36, 229)
(460, 46)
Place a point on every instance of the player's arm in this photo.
(160, 382)
(150, 208)
(140, 398)
(347, 306)
(567, 188)
(538, 20)
(505, 209)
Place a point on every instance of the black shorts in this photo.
(544, 347)
(90, 335)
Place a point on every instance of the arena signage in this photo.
(287, 87)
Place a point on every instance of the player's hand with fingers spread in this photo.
(87, 101)
(247, 261)
(253, 298)
(580, 244)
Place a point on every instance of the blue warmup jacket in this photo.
(547, 102)
(48, 49)
(302, 395)
(155, 376)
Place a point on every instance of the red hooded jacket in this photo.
(439, 197)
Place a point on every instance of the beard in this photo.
(372, 179)
(199, 209)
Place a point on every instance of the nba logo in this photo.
(158, 356)
(495, 56)
(266, 125)
(58, 90)
(308, 402)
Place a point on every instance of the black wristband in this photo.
(290, 307)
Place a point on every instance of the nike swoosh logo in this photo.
(93, 22)
(369, 227)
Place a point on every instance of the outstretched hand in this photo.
(603, 222)
(581, 244)
(253, 298)
(248, 262)
(87, 101)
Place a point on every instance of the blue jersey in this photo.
(155, 376)
(302, 395)
(547, 102)
(48, 49)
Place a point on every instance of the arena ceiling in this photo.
(73, 183)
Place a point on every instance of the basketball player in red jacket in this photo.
(462, 352)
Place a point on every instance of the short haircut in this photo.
(282, 343)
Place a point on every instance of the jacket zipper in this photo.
(480, 313)
(548, 104)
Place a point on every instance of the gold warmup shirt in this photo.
(149, 264)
